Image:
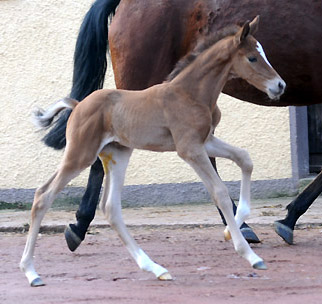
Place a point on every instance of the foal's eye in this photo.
(252, 59)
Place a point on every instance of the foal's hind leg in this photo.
(43, 199)
(218, 148)
(115, 162)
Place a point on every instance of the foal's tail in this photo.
(89, 63)
(43, 119)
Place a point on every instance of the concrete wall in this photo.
(37, 39)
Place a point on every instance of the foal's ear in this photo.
(242, 33)
(254, 25)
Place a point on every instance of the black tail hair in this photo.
(89, 63)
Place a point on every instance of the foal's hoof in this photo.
(227, 234)
(249, 235)
(37, 283)
(72, 239)
(260, 265)
(285, 232)
(165, 277)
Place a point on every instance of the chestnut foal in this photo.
(177, 115)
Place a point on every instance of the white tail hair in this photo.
(44, 118)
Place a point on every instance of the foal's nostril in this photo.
(281, 86)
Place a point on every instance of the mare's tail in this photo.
(43, 119)
(89, 63)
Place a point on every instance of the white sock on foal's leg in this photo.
(146, 264)
(115, 162)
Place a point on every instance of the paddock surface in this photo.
(206, 268)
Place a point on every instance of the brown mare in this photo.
(146, 41)
(177, 115)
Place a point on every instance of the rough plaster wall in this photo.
(37, 39)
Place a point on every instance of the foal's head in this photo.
(251, 64)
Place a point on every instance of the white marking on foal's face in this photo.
(262, 53)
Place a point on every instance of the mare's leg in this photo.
(43, 199)
(284, 228)
(246, 231)
(116, 164)
(75, 233)
(197, 157)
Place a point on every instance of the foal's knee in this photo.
(240, 247)
(244, 161)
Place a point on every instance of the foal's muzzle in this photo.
(276, 88)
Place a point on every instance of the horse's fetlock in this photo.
(111, 218)
(25, 264)
(22, 266)
(243, 212)
(240, 249)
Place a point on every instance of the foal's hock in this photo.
(179, 115)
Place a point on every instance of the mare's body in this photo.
(146, 39)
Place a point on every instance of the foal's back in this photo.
(135, 119)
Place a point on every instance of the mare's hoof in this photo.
(260, 266)
(285, 232)
(249, 235)
(247, 232)
(72, 239)
(37, 282)
(165, 277)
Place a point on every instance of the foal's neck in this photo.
(205, 78)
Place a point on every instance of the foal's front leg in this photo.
(197, 157)
(218, 148)
(115, 161)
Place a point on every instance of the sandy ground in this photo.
(186, 240)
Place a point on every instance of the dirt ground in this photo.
(206, 268)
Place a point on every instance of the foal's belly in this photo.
(152, 139)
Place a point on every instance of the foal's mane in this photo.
(202, 45)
